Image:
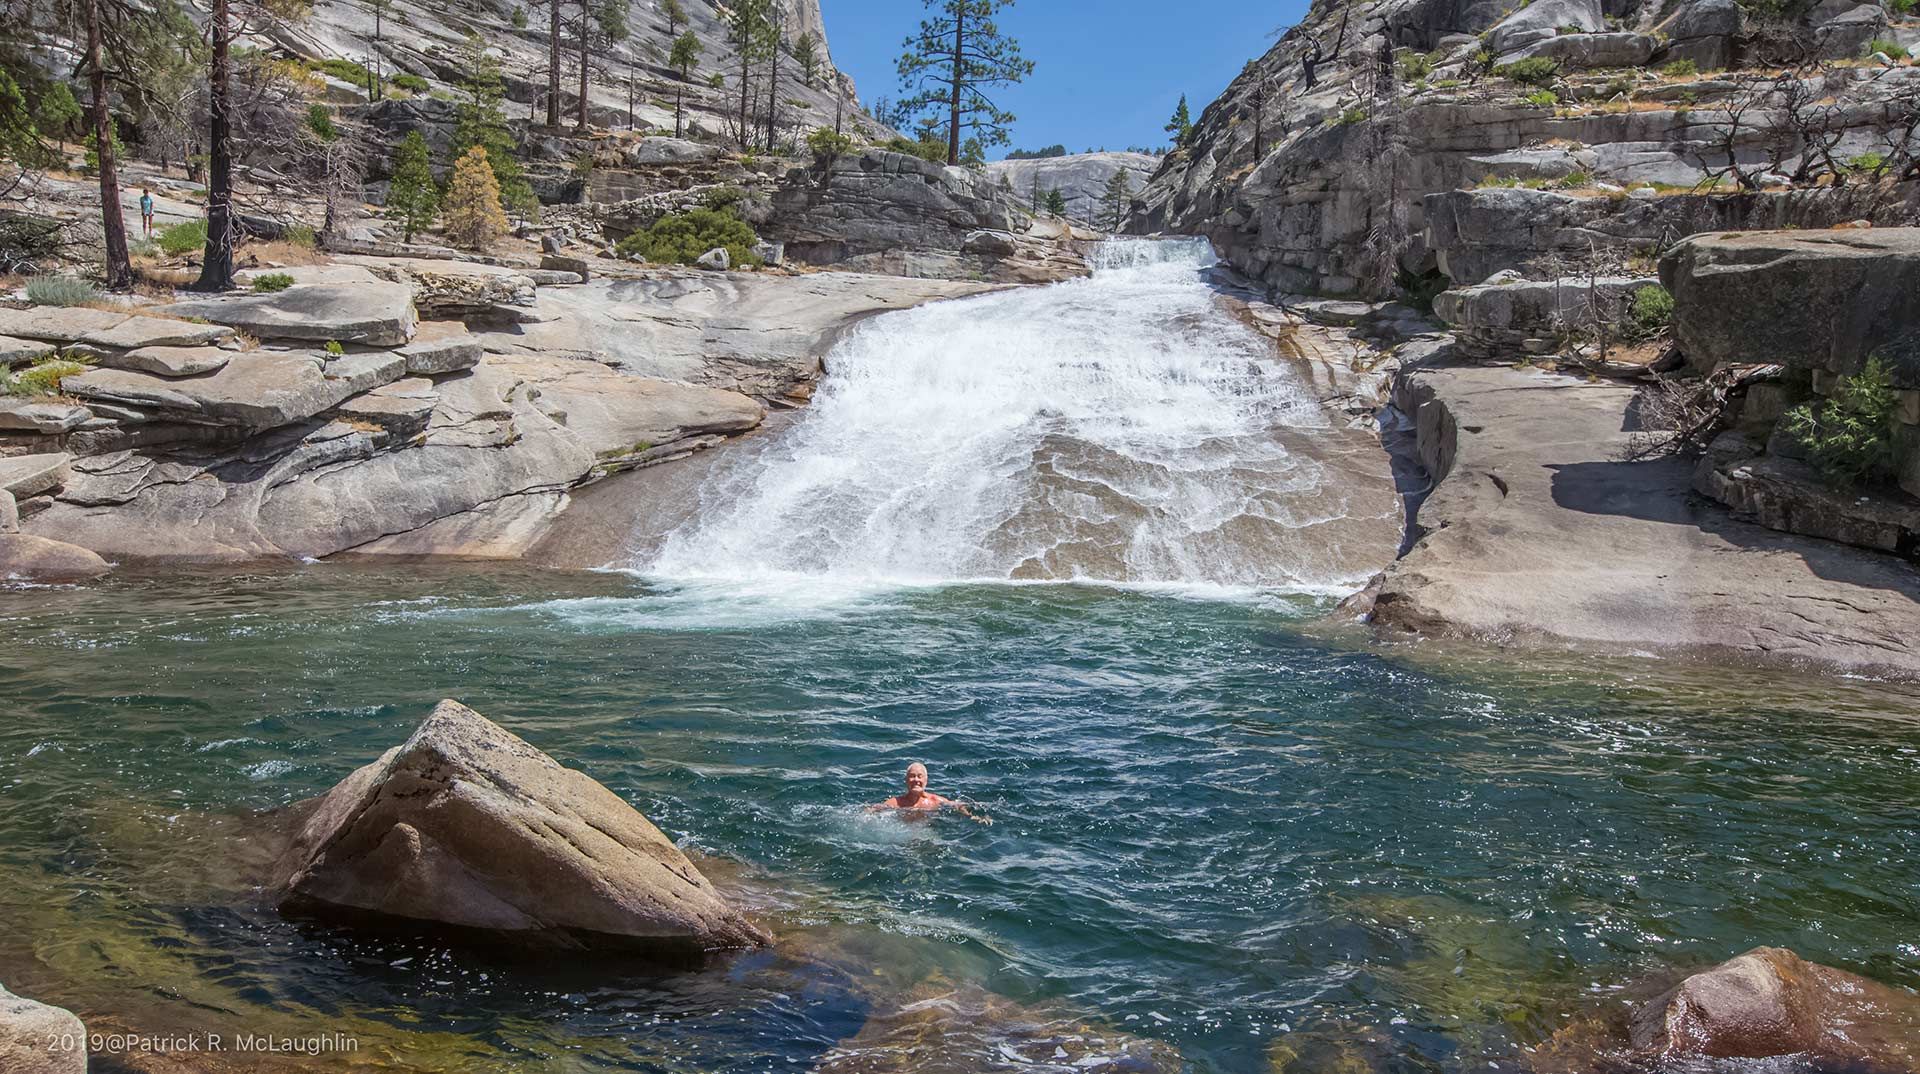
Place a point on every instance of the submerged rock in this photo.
(967, 1030)
(38, 1039)
(1771, 1002)
(1765, 1004)
(465, 824)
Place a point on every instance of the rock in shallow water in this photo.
(38, 1039)
(465, 824)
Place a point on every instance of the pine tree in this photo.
(951, 61)
(675, 15)
(412, 198)
(1115, 199)
(1181, 125)
(603, 23)
(1056, 202)
(806, 52)
(480, 123)
(750, 32)
(473, 217)
(685, 54)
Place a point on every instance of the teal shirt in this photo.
(146, 205)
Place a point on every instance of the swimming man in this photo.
(921, 800)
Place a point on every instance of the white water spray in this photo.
(1120, 428)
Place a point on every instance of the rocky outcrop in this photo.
(376, 315)
(1814, 300)
(38, 1039)
(1081, 178)
(1539, 531)
(467, 825)
(1474, 234)
(1509, 317)
(1318, 168)
(875, 202)
(453, 289)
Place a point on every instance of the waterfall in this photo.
(1118, 428)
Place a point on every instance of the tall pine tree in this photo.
(750, 32)
(481, 123)
(950, 63)
(685, 54)
(1181, 125)
(412, 197)
(1115, 199)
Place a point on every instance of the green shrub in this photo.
(301, 235)
(345, 70)
(1901, 7)
(1413, 66)
(722, 199)
(60, 291)
(177, 239)
(272, 282)
(320, 122)
(1351, 116)
(927, 150)
(1650, 309)
(1542, 98)
(680, 238)
(411, 83)
(43, 377)
(1870, 162)
(1532, 71)
(1681, 69)
(1849, 436)
(334, 348)
(1576, 179)
(519, 18)
(826, 143)
(1893, 49)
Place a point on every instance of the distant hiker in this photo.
(921, 800)
(146, 211)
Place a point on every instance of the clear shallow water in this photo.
(1213, 829)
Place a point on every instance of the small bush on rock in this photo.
(827, 143)
(1901, 7)
(1650, 309)
(43, 377)
(1893, 49)
(1681, 69)
(1350, 117)
(334, 348)
(1541, 98)
(60, 291)
(1532, 71)
(177, 239)
(1849, 436)
(680, 238)
(411, 83)
(272, 282)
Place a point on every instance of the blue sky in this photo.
(1106, 72)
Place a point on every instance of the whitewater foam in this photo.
(1120, 429)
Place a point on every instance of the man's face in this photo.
(916, 778)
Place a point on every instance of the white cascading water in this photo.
(1121, 428)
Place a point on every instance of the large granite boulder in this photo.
(109, 329)
(42, 559)
(465, 824)
(1585, 51)
(663, 150)
(1818, 299)
(38, 1039)
(874, 202)
(1771, 1002)
(1703, 31)
(377, 315)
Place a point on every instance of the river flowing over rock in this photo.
(465, 824)
(1122, 428)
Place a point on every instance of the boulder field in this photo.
(466, 825)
